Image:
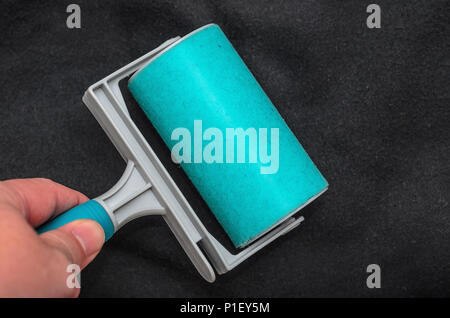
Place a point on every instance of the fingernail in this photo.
(90, 235)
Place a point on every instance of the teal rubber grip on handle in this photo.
(88, 210)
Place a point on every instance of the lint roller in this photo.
(230, 140)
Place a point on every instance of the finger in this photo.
(79, 241)
(29, 266)
(37, 266)
(39, 199)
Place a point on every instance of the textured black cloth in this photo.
(371, 107)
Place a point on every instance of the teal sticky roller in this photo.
(226, 134)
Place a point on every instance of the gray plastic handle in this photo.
(146, 187)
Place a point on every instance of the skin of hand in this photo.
(33, 265)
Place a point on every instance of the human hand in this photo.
(33, 265)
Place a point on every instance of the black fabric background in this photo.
(369, 106)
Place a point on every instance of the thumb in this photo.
(79, 241)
